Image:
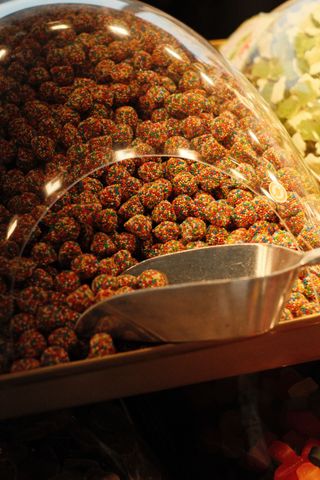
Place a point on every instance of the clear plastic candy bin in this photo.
(284, 65)
(124, 135)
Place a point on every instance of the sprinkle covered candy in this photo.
(152, 279)
(54, 356)
(101, 345)
(94, 130)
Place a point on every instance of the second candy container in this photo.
(124, 136)
(283, 64)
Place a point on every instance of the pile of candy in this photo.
(44, 330)
(98, 230)
(284, 67)
(82, 88)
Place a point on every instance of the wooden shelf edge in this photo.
(157, 368)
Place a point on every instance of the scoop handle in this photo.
(310, 258)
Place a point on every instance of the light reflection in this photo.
(124, 154)
(312, 210)
(58, 26)
(272, 176)
(244, 101)
(119, 30)
(173, 53)
(266, 193)
(263, 265)
(52, 186)
(3, 53)
(207, 79)
(11, 227)
(188, 154)
(238, 174)
(253, 136)
(252, 96)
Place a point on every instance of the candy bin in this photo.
(125, 136)
(283, 65)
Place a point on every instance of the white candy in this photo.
(299, 142)
(266, 46)
(278, 90)
(295, 121)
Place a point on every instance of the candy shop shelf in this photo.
(156, 368)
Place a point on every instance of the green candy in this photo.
(285, 67)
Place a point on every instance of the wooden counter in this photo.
(157, 368)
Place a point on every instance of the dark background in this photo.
(214, 18)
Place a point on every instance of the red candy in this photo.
(24, 364)
(54, 356)
(282, 453)
(139, 225)
(101, 345)
(123, 260)
(63, 337)
(103, 281)
(192, 229)
(166, 231)
(22, 322)
(67, 281)
(31, 344)
(85, 265)
(80, 299)
(152, 279)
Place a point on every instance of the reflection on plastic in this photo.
(58, 26)
(52, 186)
(173, 53)
(11, 227)
(119, 30)
(3, 53)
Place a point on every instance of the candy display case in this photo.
(283, 65)
(124, 136)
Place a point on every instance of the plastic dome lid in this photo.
(124, 135)
(284, 66)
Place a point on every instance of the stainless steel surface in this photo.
(215, 293)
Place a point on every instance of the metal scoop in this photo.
(215, 293)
